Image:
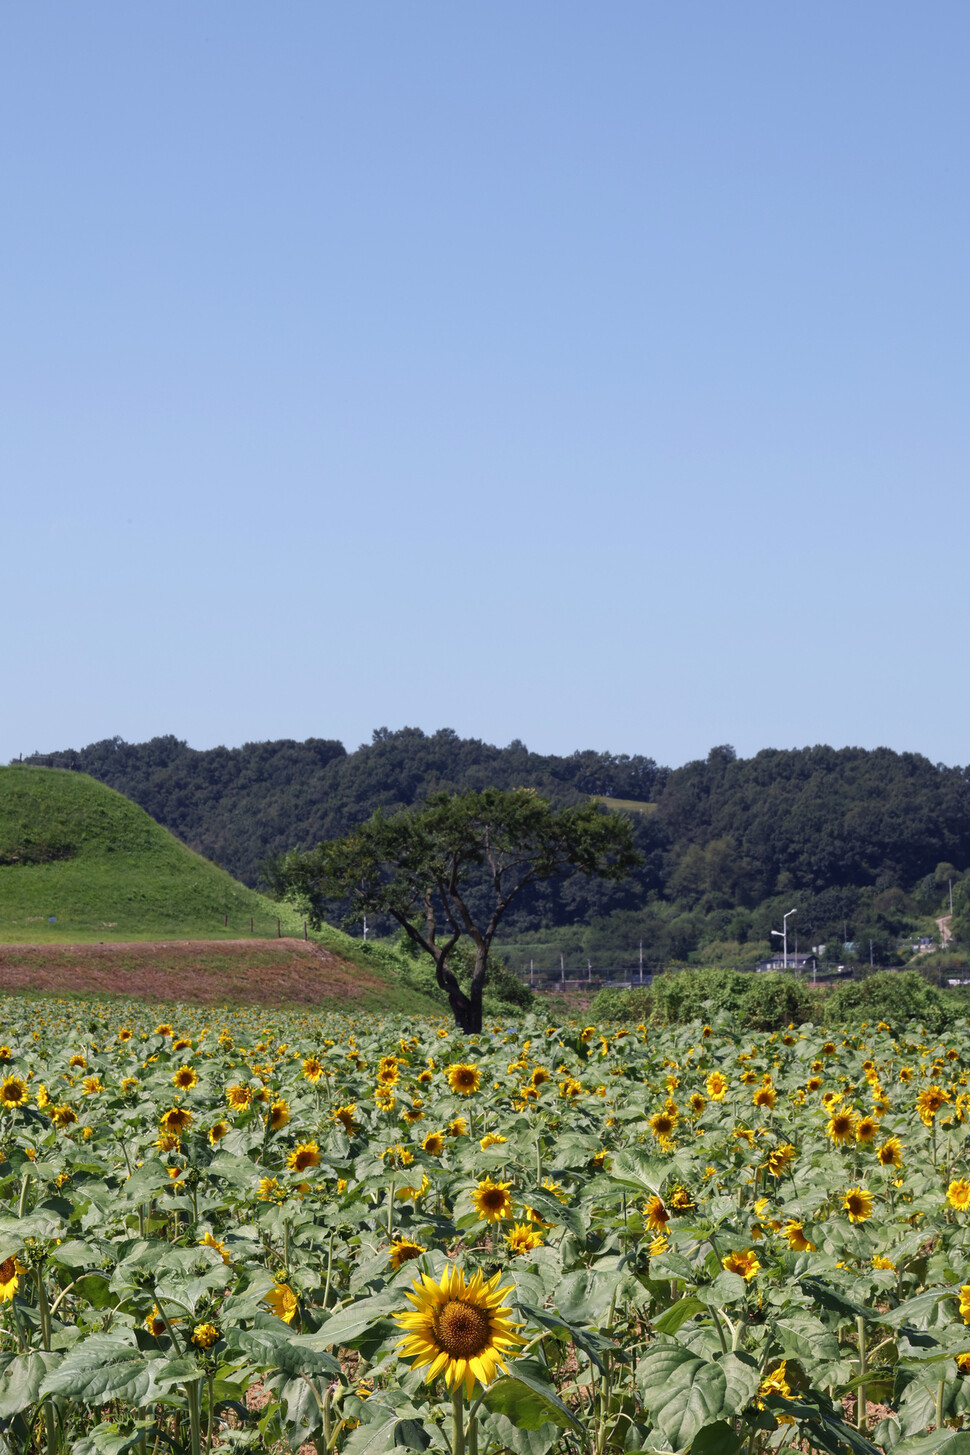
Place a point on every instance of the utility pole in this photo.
(365, 929)
(532, 973)
(950, 883)
(589, 970)
(562, 968)
(870, 955)
(783, 935)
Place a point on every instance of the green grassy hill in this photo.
(80, 862)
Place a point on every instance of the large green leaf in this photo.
(677, 1314)
(681, 1391)
(508, 1437)
(102, 1368)
(21, 1380)
(527, 1399)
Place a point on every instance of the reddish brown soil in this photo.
(204, 972)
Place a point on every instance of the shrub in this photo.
(893, 996)
(757, 1002)
(621, 1005)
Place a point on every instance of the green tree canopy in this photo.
(454, 866)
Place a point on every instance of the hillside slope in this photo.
(79, 861)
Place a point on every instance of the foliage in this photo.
(453, 868)
(761, 1002)
(710, 1239)
(868, 841)
(893, 997)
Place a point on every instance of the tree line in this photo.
(868, 841)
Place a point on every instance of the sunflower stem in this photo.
(939, 1403)
(390, 1210)
(458, 1420)
(861, 1396)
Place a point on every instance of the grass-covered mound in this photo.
(79, 861)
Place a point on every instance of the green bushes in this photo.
(895, 997)
(621, 1005)
(770, 1002)
(758, 1002)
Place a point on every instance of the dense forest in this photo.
(867, 843)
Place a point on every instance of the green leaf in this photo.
(717, 1439)
(350, 1322)
(838, 1302)
(527, 1399)
(591, 1343)
(678, 1313)
(805, 1337)
(21, 1380)
(682, 1392)
(507, 1437)
(102, 1368)
(741, 1379)
(937, 1442)
(635, 1169)
(824, 1427)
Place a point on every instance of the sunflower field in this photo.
(272, 1231)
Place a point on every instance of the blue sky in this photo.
(591, 375)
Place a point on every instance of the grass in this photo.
(78, 861)
(631, 805)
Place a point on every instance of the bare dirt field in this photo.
(266, 972)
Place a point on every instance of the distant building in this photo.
(795, 962)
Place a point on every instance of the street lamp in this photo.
(783, 935)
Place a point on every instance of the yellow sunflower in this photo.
(522, 1238)
(304, 1155)
(663, 1124)
(492, 1201)
(205, 1335)
(780, 1159)
(14, 1092)
(858, 1204)
(312, 1069)
(433, 1144)
(10, 1271)
(890, 1154)
(346, 1116)
(458, 1329)
(717, 1086)
(746, 1264)
(238, 1097)
(278, 1116)
(463, 1078)
(655, 1215)
(217, 1131)
(794, 1231)
(185, 1078)
(282, 1301)
(958, 1194)
(402, 1250)
(841, 1127)
(208, 1241)
(176, 1120)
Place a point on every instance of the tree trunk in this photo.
(466, 1010)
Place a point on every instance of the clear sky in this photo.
(595, 375)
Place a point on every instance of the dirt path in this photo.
(946, 933)
(201, 972)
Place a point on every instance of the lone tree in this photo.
(453, 867)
